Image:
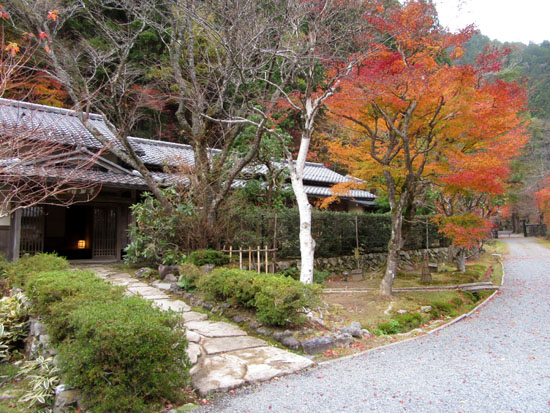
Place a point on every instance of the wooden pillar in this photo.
(15, 235)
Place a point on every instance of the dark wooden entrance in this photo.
(104, 233)
(32, 230)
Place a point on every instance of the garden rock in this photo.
(354, 330)
(264, 331)
(207, 268)
(254, 325)
(402, 311)
(193, 352)
(343, 339)
(318, 345)
(280, 335)
(164, 270)
(192, 337)
(207, 306)
(66, 399)
(291, 342)
(143, 272)
(176, 289)
(171, 278)
(239, 319)
(426, 308)
(366, 333)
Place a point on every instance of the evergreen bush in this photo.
(278, 300)
(207, 256)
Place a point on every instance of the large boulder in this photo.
(318, 344)
(164, 270)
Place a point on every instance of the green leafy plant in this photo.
(440, 308)
(207, 256)
(190, 276)
(157, 236)
(44, 376)
(14, 324)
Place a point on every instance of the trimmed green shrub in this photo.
(125, 355)
(190, 276)
(319, 277)
(281, 300)
(56, 294)
(389, 327)
(238, 286)
(203, 257)
(28, 265)
(278, 300)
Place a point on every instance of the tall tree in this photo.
(409, 114)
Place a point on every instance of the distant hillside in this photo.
(531, 61)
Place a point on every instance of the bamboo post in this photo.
(250, 258)
(240, 258)
(259, 262)
(230, 253)
(266, 259)
(274, 258)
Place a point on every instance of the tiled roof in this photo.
(64, 127)
(163, 153)
(107, 178)
(58, 124)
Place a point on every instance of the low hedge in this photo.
(123, 353)
(278, 300)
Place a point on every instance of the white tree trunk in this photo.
(307, 243)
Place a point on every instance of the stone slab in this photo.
(193, 352)
(193, 316)
(175, 305)
(162, 286)
(193, 337)
(226, 344)
(215, 329)
(147, 292)
(226, 371)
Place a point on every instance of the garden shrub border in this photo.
(123, 353)
(278, 300)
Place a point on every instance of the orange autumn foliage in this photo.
(466, 230)
(408, 111)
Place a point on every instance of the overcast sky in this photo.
(504, 20)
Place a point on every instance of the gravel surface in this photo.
(497, 360)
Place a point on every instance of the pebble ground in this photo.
(497, 360)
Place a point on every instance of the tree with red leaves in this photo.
(410, 117)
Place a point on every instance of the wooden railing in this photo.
(259, 258)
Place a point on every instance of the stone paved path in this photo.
(497, 360)
(223, 355)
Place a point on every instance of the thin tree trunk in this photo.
(461, 260)
(307, 243)
(394, 248)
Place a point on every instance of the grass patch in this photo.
(12, 388)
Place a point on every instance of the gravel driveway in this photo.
(498, 360)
